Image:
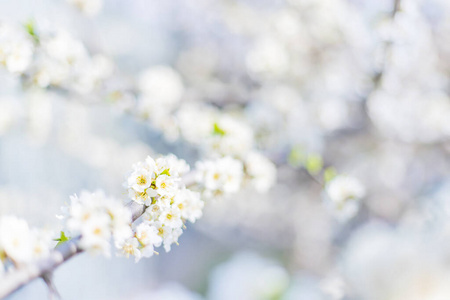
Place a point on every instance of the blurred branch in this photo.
(379, 76)
(396, 7)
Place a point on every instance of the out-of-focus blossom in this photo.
(20, 243)
(97, 219)
(223, 175)
(248, 276)
(89, 7)
(16, 48)
(382, 263)
(343, 195)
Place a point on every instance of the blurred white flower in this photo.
(261, 170)
(89, 7)
(382, 263)
(15, 239)
(190, 204)
(268, 58)
(16, 48)
(248, 276)
(223, 175)
(21, 244)
(129, 247)
(229, 136)
(97, 218)
(342, 196)
(162, 88)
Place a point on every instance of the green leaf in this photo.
(63, 238)
(165, 172)
(31, 29)
(329, 174)
(297, 156)
(314, 164)
(217, 130)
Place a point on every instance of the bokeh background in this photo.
(358, 85)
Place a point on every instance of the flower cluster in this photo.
(51, 58)
(97, 219)
(228, 175)
(220, 176)
(160, 177)
(20, 244)
(158, 185)
(63, 61)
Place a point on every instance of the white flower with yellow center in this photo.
(172, 238)
(140, 179)
(142, 197)
(129, 247)
(41, 243)
(148, 235)
(96, 234)
(165, 185)
(171, 218)
(221, 175)
(97, 219)
(189, 204)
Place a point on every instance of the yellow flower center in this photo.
(141, 180)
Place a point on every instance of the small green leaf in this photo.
(165, 172)
(63, 238)
(297, 156)
(329, 174)
(31, 29)
(217, 130)
(314, 164)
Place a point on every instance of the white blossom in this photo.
(229, 136)
(16, 48)
(20, 243)
(161, 85)
(97, 219)
(262, 171)
(140, 179)
(88, 7)
(189, 204)
(384, 263)
(129, 247)
(223, 175)
(15, 239)
(343, 195)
